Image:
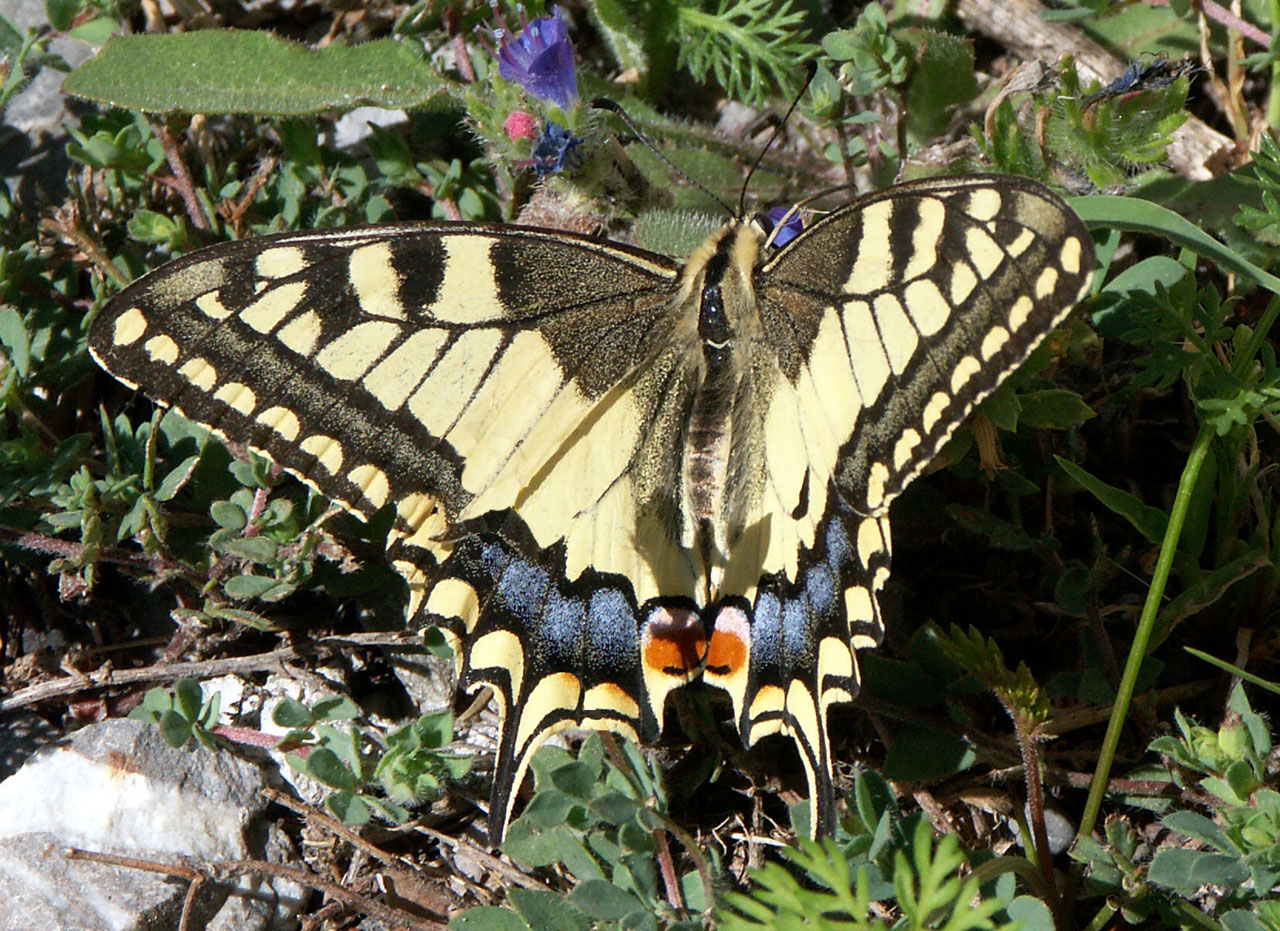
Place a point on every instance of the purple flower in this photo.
(539, 59)
(790, 230)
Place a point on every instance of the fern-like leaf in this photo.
(748, 47)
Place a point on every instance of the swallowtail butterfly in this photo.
(613, 473)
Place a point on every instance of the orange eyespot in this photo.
(675, 642)
(727, 654)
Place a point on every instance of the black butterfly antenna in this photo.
(604, 103)
(812, 70)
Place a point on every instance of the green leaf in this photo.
(1208, 589)
(336, 708)
(326, 766)
(176, 478)
(614, 807)
(998, 531)
(256, 549)
(488, 918)
(435, 729)
(576, 779)
(61, 13)
(228, 515)
(920, 754)
(620, 33)
(1145, 275)
(548, 808)
(348, 807)
(13, 336)
(175, 728)
(188, 697)
(244, 587)
(1148, 521)
(1032, 914)
(548, 910)
(943, 78)
(291, 713)
(157, 701)
(603, 900)
(1188, 870)
(528, 847)
(95, 31)
(1002, 408)
(1054, 409)
(148, 226)
(225, 71)
(1141, 216)
(1240, 920)
(10, 35)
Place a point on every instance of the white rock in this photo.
(116, 787)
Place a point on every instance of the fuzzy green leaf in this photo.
(1188, 870)
(327, 767)
(244, 587)
(14, 338)
(348, 807)
(291, 713)
(256, 549)
(224, 71)
(603, 900)
(1194, 824)
(548, 910)
(188, 697)
(943, 79)
(228, 516)
(1054, 409)
(623, 37)
(488, 918)
(176, 478)
(175, 729)
(1240, 920)
(1031, 913)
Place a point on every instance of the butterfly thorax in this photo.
(718, 290)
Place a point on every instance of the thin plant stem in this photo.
(1273, 96)
(1146, 624)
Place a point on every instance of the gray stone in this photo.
(32, 141)
(116, 787)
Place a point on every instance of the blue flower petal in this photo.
(540, 59)
(790, 230)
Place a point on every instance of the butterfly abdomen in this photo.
(724, 307)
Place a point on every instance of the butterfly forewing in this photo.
(388, 363)
(924, 298)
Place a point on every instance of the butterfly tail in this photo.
(558, 655)
(790, 656)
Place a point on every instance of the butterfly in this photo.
(613, 473)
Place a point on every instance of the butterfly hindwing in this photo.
(611, 473)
